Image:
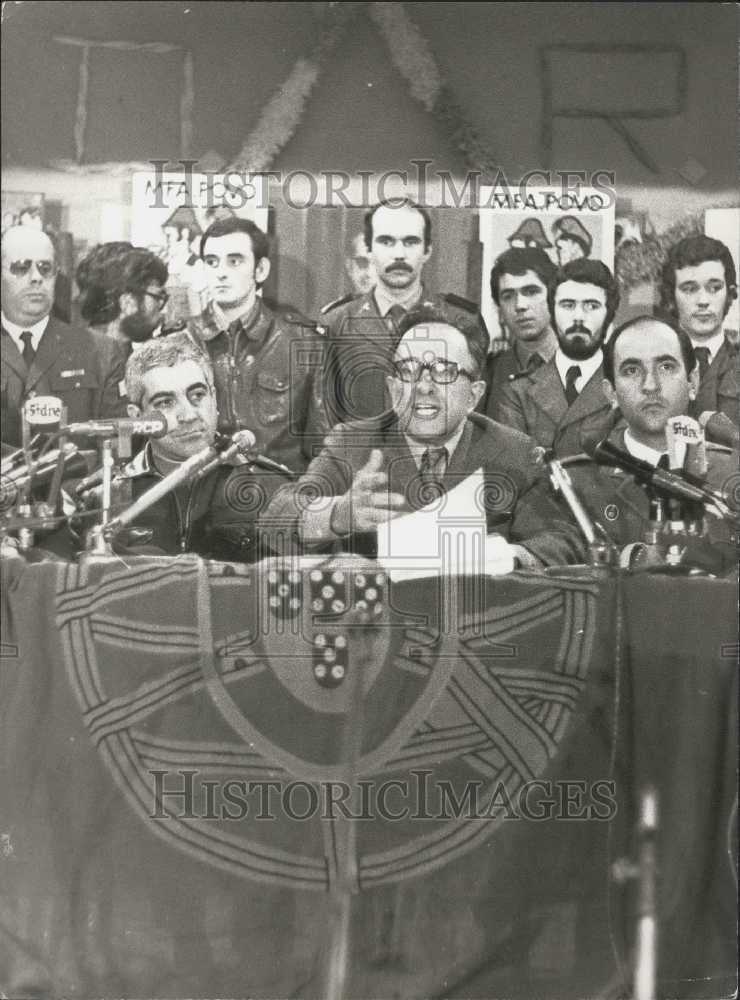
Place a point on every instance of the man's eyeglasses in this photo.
(161, 297)
(441, 371)
(19, 268)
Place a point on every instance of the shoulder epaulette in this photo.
(335, 303)
(298, 319)
(460, 302)
(732, 339)
(515, 376)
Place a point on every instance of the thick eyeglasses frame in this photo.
(441, 372)
(162, 297)
(45, 268)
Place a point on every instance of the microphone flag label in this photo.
(43, 410)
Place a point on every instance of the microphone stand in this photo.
(601, 551)
(644, 872)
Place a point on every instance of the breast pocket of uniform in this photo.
(79, 391)
(273, 398)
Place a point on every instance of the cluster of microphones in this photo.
(49, 459)
(680, 496)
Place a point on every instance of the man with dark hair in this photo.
(519, 281)
(369, 470)
(267, 365)
(122, 292)
(698, 286)
(42, 355)
(650, 376)
(562, 400)
(363, 330)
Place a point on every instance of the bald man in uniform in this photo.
(363, 330)
(40, 354)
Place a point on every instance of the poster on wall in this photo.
(724, 224)
(171, 211)
(566, 225)
(22, 208)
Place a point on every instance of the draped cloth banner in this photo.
(187, 98)
(172, 739)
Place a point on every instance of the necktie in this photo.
(571, 393)
(702, 356)
(431, 470)
(396, 313)
(28, 353)
(535, 361)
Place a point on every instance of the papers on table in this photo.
(447, 537)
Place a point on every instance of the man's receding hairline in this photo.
(426, 326)
(15, 231)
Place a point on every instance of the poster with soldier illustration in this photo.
(565, 224)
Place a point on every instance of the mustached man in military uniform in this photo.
(267, 366)
(362, 330)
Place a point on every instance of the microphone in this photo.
(222, 450)
(154, 426)
(670, 484)
(225, 449)
(244, 444)
(41, 470)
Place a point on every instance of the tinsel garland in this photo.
(414, 61)
(283, 113)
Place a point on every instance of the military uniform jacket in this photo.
(208, 516)
(82, 368)
(503, 368)
(268, 380)
(361, 346)
(517, 503)
(718, 389)
(622, 506)
(537, 406)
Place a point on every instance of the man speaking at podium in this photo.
(370, 471)
(211, 515)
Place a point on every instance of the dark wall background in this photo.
(360, 114)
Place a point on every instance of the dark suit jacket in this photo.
(718, 389)
(518, 505)
(537, 406)
(82, 368)
(622, 506)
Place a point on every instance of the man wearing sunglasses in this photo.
(372, 470)
(41, 355)
(122, 292)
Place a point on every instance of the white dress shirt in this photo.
(36, 330)
(712, 344)
(588, 367)
(643, 451)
